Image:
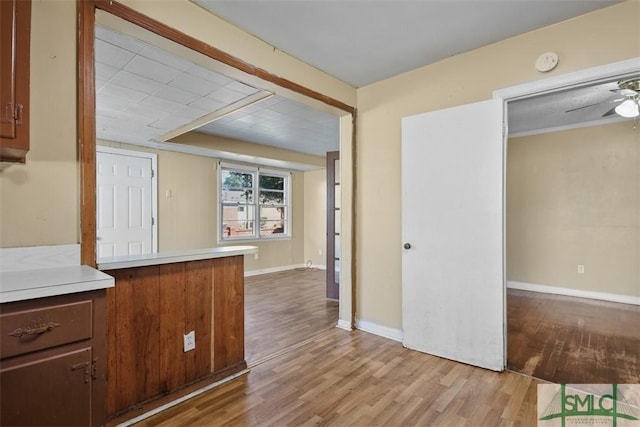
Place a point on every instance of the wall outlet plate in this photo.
(190, 341)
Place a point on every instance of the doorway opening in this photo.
(568, 269)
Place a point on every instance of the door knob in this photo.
(407, 245)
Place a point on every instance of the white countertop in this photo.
(114, 263)
(47, 282)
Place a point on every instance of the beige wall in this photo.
(39, 200)
(315, 217)
(203, 140)
(188, 214)
(458, 80)
(573, 197)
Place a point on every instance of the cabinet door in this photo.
(52, 391)
(15, 29)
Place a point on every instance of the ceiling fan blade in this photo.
(593, 105)
(624, 92)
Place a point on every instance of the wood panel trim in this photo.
(87, 131)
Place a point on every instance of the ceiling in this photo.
(146, 94)
(362, 42)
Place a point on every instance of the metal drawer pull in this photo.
(18, 333)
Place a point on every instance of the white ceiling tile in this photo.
(143, 114)
(286, 107)
(151, 69)
(190, 113)
(160, 104)
(170, 123)
(105, 72)
(211, 76)
(207, 104)
(165, 58)
(125, 95)
(136, 82)
(242, 88)
(194, 84)
(109, 102)
(176, 95)
(100, 83)
(118, 39)
(112, 55)
(226, 95)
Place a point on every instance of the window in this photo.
(254, 203)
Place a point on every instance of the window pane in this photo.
(271, 197)
(238, 221)
(272, 220)
(237, 180)
(271, 182)
(268, 227)
(237, 196)
(272, 213)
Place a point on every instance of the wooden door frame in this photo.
(87, 112)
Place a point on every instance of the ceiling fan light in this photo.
(628, 109)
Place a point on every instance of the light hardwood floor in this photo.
(345, 378)
(283, 309)
(573, 340)
(342, 378)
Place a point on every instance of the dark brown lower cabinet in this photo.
(58, 386)
(52, 371)
(150, 309)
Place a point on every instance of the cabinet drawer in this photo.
(30, 330)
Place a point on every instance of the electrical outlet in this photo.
(190, 341)
(319, 251)
(256, 256)
(580, 269)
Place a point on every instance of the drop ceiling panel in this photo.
(143, 93)
(280, 122)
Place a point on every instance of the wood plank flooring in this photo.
(573, 340)
(283, 309)
(345, 378)
(340, 378)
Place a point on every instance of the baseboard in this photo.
(283, 268)
(344, 324)
(272, 270)
(383, 331)
(603, 296)
(37, 257)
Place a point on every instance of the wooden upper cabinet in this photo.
(15, 31)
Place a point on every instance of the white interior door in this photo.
(125, 204)
(453, 297)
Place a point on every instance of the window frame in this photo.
(256, 172)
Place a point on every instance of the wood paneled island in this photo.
(156, 301)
